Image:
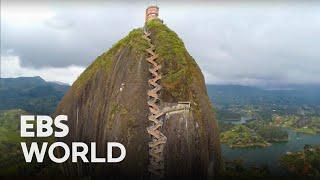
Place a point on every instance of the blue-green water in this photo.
(243, 120)
(269, 156)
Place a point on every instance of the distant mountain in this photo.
(36, 95)
(32, 94)
(247, 95)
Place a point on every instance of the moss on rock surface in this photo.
(105, 60)
(179, 68)
(108, 102)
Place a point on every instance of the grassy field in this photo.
(12, 161)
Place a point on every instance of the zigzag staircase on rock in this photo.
(156, 146)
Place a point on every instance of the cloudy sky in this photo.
(268, 44)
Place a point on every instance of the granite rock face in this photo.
(108, 102)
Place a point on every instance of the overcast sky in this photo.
(269, 44)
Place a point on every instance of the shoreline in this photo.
(280, 140)
(262, 145)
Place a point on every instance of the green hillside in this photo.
(11, 158)
(12, 161)
(248, 95)
(32, 94)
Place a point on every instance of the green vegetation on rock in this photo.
(133, 39)
(179, 68)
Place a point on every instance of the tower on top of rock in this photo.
(152, 12)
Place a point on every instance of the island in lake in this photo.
(255, 133)
(242, 136)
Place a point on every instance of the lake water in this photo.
(243, 120)
(269, 156)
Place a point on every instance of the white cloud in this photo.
(239, 43)
(11, 67)
(24, 16)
